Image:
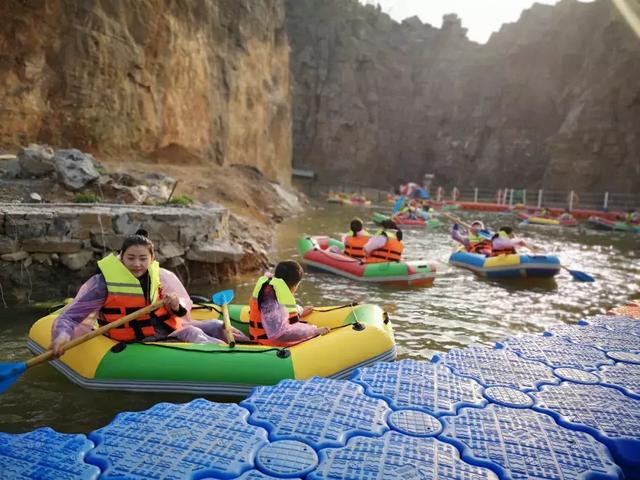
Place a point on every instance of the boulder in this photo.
(214, 252)
(15, 256)
(76, 261)
(42, 258)
(8, 245)
(36, 161)
(51, 245)
(167, 250)
(75, 169)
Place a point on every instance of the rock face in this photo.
(552, 100)
(39, 243)
(142, 77)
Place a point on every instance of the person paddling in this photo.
(473, 242)
(386, 245)
(127, 282)
(274, 316)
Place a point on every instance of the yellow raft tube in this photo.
(360, 335)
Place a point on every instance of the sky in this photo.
(480, 17)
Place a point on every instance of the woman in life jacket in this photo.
(473, 242)
(126, 283)
(504, 242)
(386, 245)
(355, 240)
(274, 316)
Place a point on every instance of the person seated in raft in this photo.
(473, 242)
(386, 245)
(632, 217)
(504, 242)
(274, 316)
(544, 213)
(128, 282)
(566, 216)
(355, 240)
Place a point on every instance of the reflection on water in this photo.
(460, 309)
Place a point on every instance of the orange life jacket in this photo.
(125, 296)
(257, 333)
(483, 247)
(354, 246)
(391, 252)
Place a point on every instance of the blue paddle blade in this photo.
(398, 205)
(581, 276)
(223, 297)
(9, 373)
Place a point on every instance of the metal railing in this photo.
(604, 201)
(541, 198)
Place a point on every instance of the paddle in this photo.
(578, 275)
(485, 233)
(11, 371)
(223, 298)
(398, 205)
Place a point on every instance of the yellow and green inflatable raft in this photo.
(361, 335)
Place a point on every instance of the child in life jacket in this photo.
(355, 240)
(473, 242)
(386, 245)
(274, 316)
(130, 281)
(504, 242)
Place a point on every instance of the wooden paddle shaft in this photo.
(455, 219)
(43, 357)
(227, 326)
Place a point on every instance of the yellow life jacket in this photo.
(283, 296)
(125, 296)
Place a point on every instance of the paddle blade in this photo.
(223, 297)
(524, 223)
(398, 205)
(9, 373)
(581, 276)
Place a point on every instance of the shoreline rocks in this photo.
(48, 250)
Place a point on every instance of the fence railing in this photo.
(506, 196)
(542, 198)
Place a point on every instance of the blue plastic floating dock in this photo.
(616, 323)
(420, 385)
(396, 456)
(320, 412)
(598, 337)
(191, 440)
(556, 352)
(521, 443)
(45, 453)
(497, 367)
(609, 415)
(562, 406)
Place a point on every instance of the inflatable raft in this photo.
(532, 219)
(361, 335)
(347, 201)
(507, 266)
(600, 223)
(315, 253)
(379, 217)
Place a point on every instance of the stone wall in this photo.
(47, 251)
(551, 100)
(149, 77)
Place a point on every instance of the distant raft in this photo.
(315, 253)
(360, 335)
(507, 266)
(532, 219)
(600, 223)
(379, 217)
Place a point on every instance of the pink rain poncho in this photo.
(275, 320)
(93, 293)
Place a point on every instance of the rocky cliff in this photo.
(142, 77)
(552, 100)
